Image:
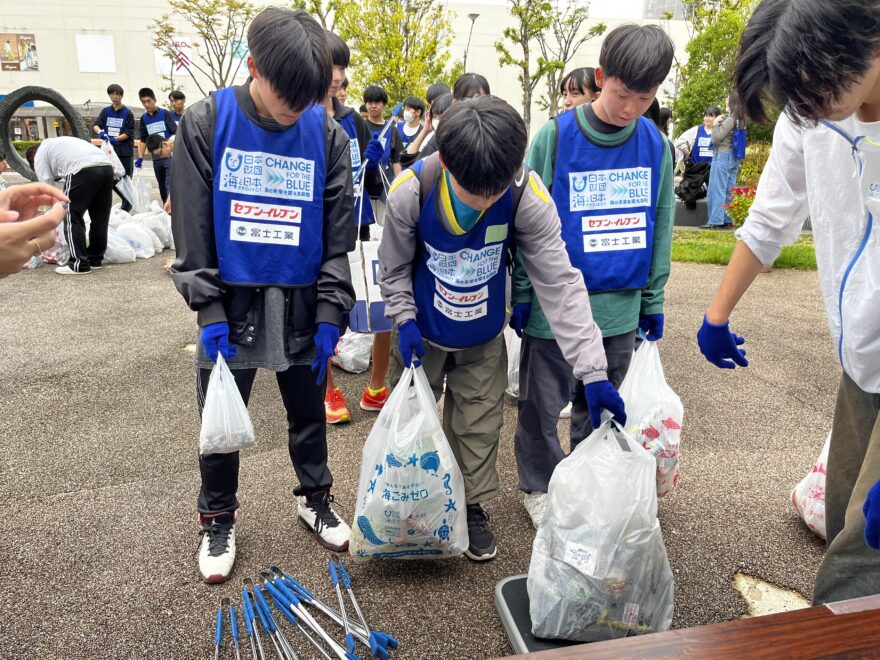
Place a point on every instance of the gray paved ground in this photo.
(98, 478)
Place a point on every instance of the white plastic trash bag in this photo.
(118, 250)
(353, 352)
(808, 497)
(654, 413)
(514, 348)
(118, 168)
(226, 425)
(599, 568)
(139, 238)
(410, 501)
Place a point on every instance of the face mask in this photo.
(407, 116)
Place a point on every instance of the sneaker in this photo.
(316, 515)
(67, 270)
(481, 541)
(536, 504)
(334, 406)
(566, 412)
(217, 549)
(374, 400)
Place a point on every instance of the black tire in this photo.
(13, 101)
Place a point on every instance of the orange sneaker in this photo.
(334, 406)
(374, 400)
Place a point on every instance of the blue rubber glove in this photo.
(519, 317)
(326, 339)
(373, 154)
(652, 326)
(215, 339)
(113, 141)
(719, 345)
(409, 341)
(138, 163)
(601, 395)
(102, 135)
(872, 517)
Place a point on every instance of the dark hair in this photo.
(344, 84)
(639, 55)
(441, 105)
(803, 55)
(154, 141)
(290, 50)
(338, 50)
(115, 89)
(713, 110)
(482, 141)
(2, 155)
(653, 112)
(665, 118)
(146, 93)
(375, 94)
(415, 103)
(363, 108)
(177, 95)
(435, 91)
(581, 80)
(31, 153)
(470, 85)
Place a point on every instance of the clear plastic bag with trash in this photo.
(353, 352)
(599, 568)
(808, 497)
(226, 425)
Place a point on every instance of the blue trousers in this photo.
(725, 168)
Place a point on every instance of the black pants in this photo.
(90, 189)
(306, 438)
(128, 164)
(162, 168)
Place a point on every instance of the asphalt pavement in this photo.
(99, 475)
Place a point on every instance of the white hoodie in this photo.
(831, 174)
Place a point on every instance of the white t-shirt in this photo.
(64, 156)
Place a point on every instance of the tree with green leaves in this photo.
(402, 46)
(560, 43)
(217, 53)
(324, 11)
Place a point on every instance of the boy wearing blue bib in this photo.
(452, 222)
(262, 201)
(155, 121)
(116, 124)
(610, 174)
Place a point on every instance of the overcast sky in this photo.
(598, 8)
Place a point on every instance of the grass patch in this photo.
(715, 247)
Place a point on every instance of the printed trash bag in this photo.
(514, 348)
(654, 413)
(118, 167)
(808, 497)
(142, 193)
(226, 425)
(118, 250)
(353, 352)
(137, 237)
(599, 568)
(410, 499)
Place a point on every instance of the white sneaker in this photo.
(566, 412)
(67, 270)
(217, 549)
(318, 517)
(536, 505)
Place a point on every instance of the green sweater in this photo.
(615, 312)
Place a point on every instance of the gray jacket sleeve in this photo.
(398, 248)
(559, 285)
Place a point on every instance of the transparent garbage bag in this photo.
(808, 497)
(410, 499)
(118, 249)
(143, 193)
(514, 348)
(226, 425)
(654, 413)
(137, 236)
(599, 568)
(353, 351)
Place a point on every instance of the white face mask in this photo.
(407, 116)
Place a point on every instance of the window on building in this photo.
(656, 9)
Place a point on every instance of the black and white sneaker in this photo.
(217, 549)
(481, 540)
(317, 516)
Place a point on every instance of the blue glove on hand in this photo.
(872, 517)
(652, 326)
(215, 339)
(409, 341)
(326, 339)
(719, 345)
(139, 162)
(102, 135)
(113, 141)
(601, 395)
(519, 317)
(373, 154)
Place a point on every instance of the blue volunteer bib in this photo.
(268, 197)
(459, 281)
(156, 123)
(702, 150)
(606, 201)
(115, 120)
(361, 208)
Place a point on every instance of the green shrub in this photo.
(21, 146)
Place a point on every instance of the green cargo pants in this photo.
(473, 407)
